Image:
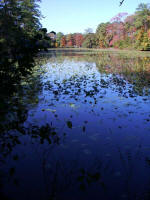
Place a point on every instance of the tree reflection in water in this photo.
(79, 130)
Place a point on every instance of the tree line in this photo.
(123, 31)
(21, 38)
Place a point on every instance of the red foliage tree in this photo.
(70, 40)
(119, 17)
(63, 41)
(116, 30)
(78, 39)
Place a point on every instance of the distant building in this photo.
(52, 36)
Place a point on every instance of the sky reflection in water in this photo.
(86, 137)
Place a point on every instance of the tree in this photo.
(30, 15)
(142, 24)
(119, 17)
(20, 40)
(88, 30)
(89, 41)
(78, 39)
(101, 35)
(142, 16)
(59, 36)
(115, 31)
(63, 42)
(70, 40)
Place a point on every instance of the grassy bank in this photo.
(128, 53)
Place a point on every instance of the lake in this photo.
(78, 128)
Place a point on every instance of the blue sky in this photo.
(70, 16)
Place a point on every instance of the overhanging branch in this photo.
(121, 2)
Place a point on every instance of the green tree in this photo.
(101, 35)
(142, 24)
(89, 41)
(142, 16)
(20, 40)
(58, 38)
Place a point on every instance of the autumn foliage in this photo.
(63, 41)
(123, 31)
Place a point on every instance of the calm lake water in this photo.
(79, 128)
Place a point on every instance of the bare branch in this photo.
(121, 2)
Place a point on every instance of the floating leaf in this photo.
(80, 178)
(69, 124)
(53, 133)
(82, 187)
(15, 157)
(96, 176)
(83, 128)
(48, 109)
(12, 171)
(72, 105)
(82, 171)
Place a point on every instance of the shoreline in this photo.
(130, 53)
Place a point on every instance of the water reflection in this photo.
(79, 130)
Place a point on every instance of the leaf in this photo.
(53, 133)
(82, 187)
(15, 157)
(81, 178)
(82, 171)
(50, 110)
(83, 128)
(96, 176)
(12, 171)
(69, 124)
(16, 182)
(72, 105)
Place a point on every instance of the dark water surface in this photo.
(79, 128)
